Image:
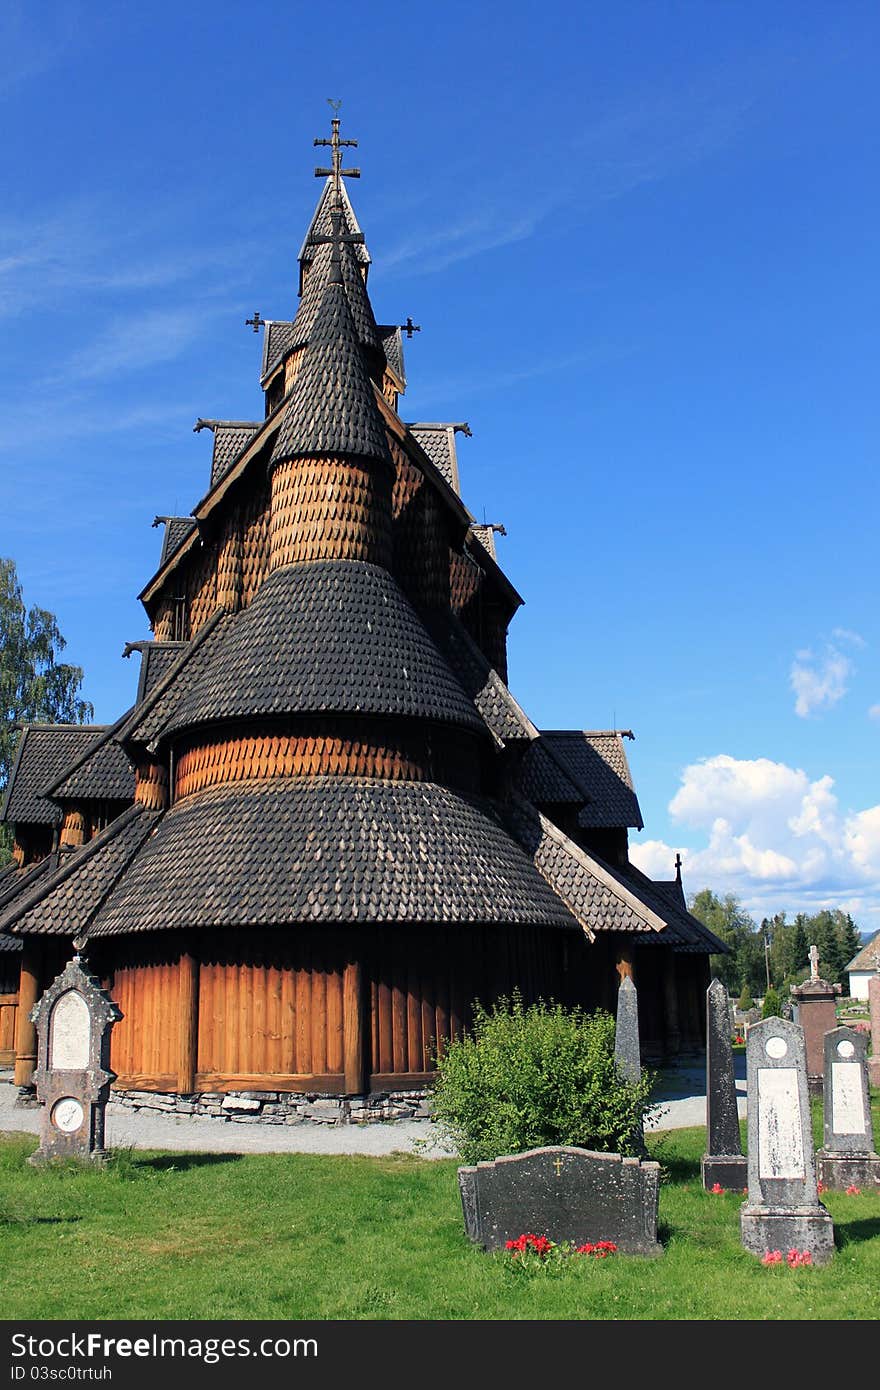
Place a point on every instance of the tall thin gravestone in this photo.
(783, 1210)
(627, 1054)
(73, 1020)
(874, 1008)
(847, 1157)
(723, 1162)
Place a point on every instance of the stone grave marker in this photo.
(874, 1011)
(817, 1013)
(567, 1194)
(627, 1053)
(723, 1162)
(783, 1210)
(847, 1157)
(73, 1020)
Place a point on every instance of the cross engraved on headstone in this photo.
(558, 1166)
(783, 1210)
(73, 1020)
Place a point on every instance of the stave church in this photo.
(326, 827)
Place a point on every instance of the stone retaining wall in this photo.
(281, 1107)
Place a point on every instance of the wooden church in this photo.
(326, 827)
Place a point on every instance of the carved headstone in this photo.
(817, 1014)
(783, 1210)
(874, 1010)
(73, 1020)
(567, 1194)
(723, 1162)
(847, 1157)
(627, 1054)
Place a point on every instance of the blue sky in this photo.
(641, 239)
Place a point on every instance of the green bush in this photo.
(746, 1001)
(524, 1078)
(772, 1004)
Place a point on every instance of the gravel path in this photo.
(681, 1094)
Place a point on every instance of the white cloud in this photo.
(874, 712)
(819, 682)
(846, 634)
(772, 836)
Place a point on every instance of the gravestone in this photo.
(783, 1210)
(566, 1194)
(73, 1020)
(874, 1010)
(723, 1162)
(627, 1054)
(817, 1014)
(847, 1157)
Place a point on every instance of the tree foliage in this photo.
(34, 685)
(831, 930)
(525, 1078)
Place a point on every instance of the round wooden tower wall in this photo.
(311, 1008)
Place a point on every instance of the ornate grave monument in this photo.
(847, 1157)
(723, 1162)
(817, 1000)
(73, 1021)
(564, 1193)
(783, 1210)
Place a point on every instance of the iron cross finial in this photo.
(409, 328)
(336, 171)
(256, 321)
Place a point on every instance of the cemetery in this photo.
(678, 1233)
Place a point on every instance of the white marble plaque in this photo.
(847, 1100)
(69, 1031)
(780, 1132)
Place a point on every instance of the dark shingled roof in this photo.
(596, 896)
(322, 225)
(15, 882)
(543, 778)
(332, 407)
(598, 765)
(392, 345)
(9, 943)
(278, 339)
(438, 442)
(686, 932)
(334, 636)
(329, 849)
(365, 329)
(66, 901)
(157, 658)
(103, 774)
(230, 437)
(498, 709)
(44, 752)
(177, 528)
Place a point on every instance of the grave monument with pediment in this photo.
(73, 1021)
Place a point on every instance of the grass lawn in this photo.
(191, 1236)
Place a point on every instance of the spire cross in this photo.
(409, 328)
(256, 321)
(336, 171)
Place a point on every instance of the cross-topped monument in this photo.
(814, 962)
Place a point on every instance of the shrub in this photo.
(772, 1005)
(746, 1001)
(524, 1078)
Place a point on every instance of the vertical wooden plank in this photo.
(188, 1014)
(288, 1012)
(318, 1029)
(441, 968)
(273, 1012)
(427, 989)
(259, 1031)
(353, 1029)
(335, 1014)
(205, 1060)
(398, 1008)
(383, 967)
(303, 1021)
(415, 1059)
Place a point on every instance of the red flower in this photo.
(853, 1191)
(820, 1187)
(799, 1257)
(717, 1189)
(773, 1257)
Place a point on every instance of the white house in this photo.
(862, 967)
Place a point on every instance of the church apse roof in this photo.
(43, 753)
(329, 849)
(329, 636)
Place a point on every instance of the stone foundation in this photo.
(281, 1107)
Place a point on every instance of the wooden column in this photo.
(670, 1005)
(188, 1019)
(353, 1029)
(25, 1032)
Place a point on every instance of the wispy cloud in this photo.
(429, 252)
(874, 713)
(820, 681)
(132, 342)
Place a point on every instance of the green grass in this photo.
(299, 1237)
